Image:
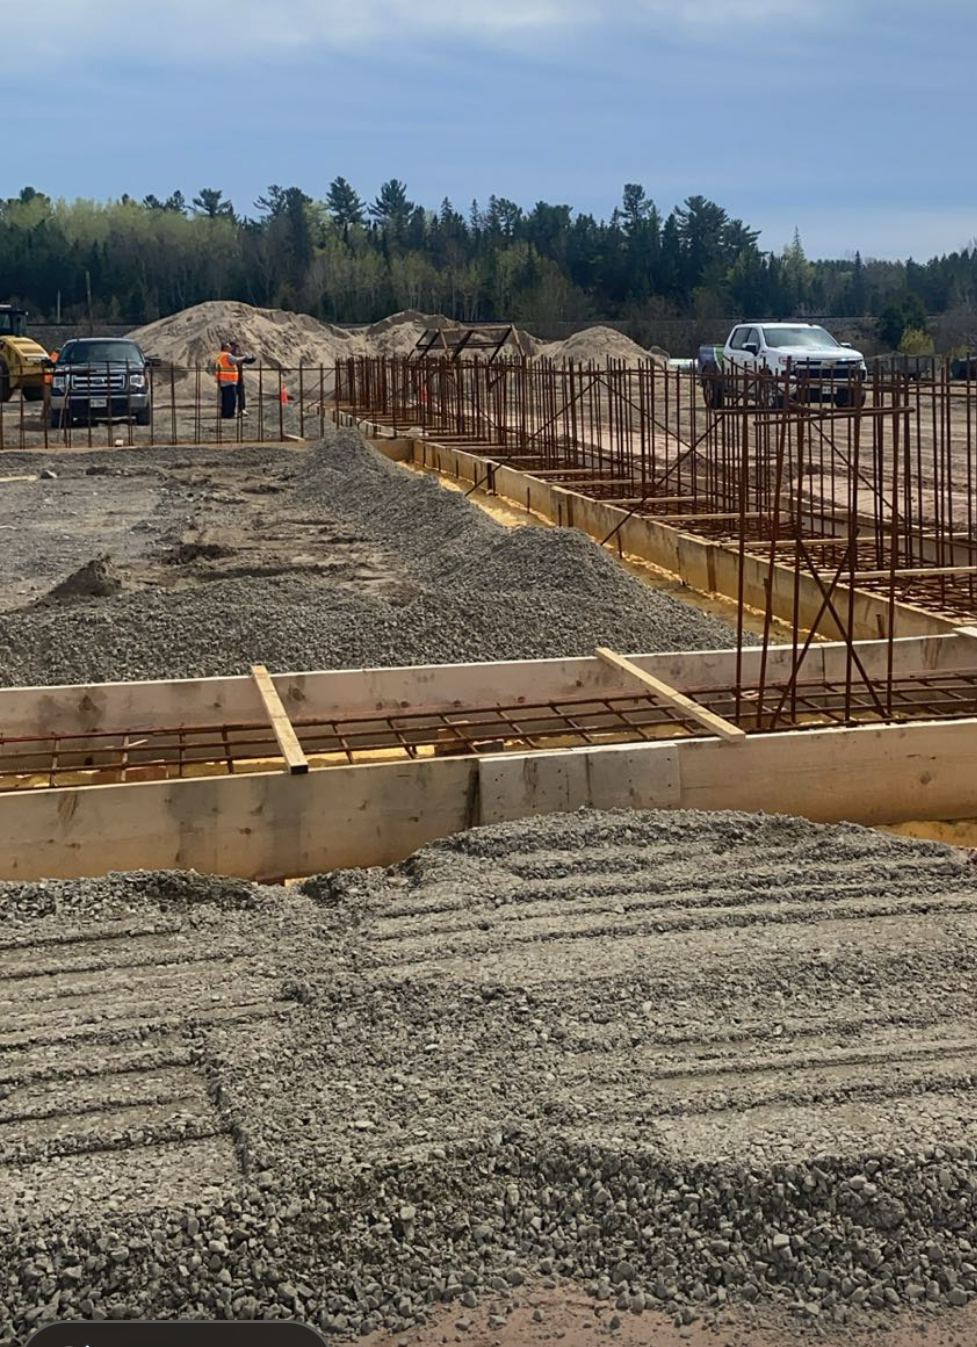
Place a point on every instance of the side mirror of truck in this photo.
(153, 361)
(752, 347)
(846, 344)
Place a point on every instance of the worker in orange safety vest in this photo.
(226, 369)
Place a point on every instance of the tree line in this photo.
(347, 260)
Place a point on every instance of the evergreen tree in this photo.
(392, 209)
(345, 206)
(210, 201)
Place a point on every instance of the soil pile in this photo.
(277, 338)
(598, 345)
(678, 1060)
(97, 579)
(283, 340)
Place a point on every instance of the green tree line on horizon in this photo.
(345, 260)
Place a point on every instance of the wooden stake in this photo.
(672, 697)
(295, 760)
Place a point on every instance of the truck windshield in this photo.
(779, 337)
(101, 352)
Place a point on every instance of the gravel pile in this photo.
(682, 1060)
(463, 589)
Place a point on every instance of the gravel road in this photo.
(328, 558)
(678, 1060)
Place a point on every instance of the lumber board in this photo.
(920, 572)
(295, 760)
(672, 697)
(648, 500)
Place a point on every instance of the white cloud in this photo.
(213, 32)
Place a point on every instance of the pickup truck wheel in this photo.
(848, 397)
(144, 417)
(713, 393)
(770, 395)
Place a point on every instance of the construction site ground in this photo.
(192, 562)
(710, 1076)
(712, 1066)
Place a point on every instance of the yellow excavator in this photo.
(23, 363)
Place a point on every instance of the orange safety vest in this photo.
(226, 369)
(49, 374)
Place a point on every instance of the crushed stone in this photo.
(465, 589)
(684, 1061)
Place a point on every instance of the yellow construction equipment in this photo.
(22, 361)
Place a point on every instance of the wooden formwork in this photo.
(267, 824)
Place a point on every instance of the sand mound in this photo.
(277, 338)
(280, 339)
(598, 344)
(399, 334)
(283, 340)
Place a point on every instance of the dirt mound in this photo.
(598, 344)
(400, 333)
(277, 338)
(97, 579)
(281, 339)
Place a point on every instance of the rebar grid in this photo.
(852, 484)
(174, 753)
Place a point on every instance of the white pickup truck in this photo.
(806, 361)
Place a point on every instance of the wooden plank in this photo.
(511, 786)
(295, 760)
(648, 500)
(905, 572)
(19, 477)
(672, 697)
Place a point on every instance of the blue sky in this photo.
(851, 119)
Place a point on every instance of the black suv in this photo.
(101, 379)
